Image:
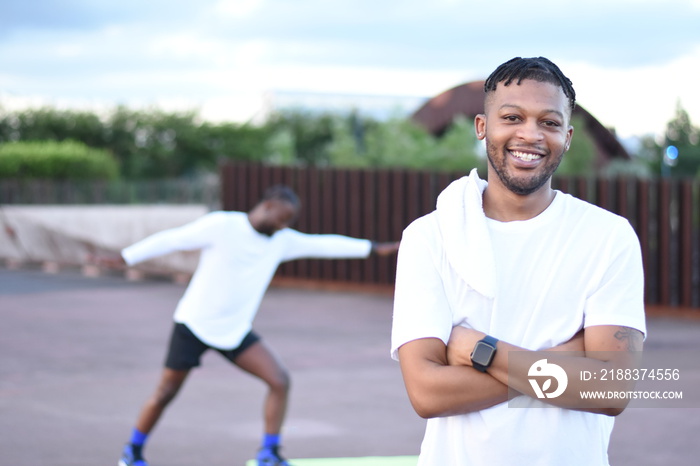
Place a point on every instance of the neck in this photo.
(254, 218)
(505, 206)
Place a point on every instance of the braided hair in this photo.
(539, 69)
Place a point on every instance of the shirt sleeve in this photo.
(421, 307)
(618, 299)
(301, 245)
(194, 235)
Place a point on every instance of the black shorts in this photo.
(186, 349)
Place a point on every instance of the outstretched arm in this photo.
(191, 236)
(111, 260)
(385, 249)
(331, 246)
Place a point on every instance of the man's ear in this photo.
(569, 136)
(480, 126)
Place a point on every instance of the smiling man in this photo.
(513, 267)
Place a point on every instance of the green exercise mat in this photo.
(366, 461)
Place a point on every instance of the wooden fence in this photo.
(379, 204)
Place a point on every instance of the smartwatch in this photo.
(483, 353)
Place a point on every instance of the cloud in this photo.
(444, 34)
(86, 15)
(237, 8)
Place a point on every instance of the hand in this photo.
(110, 260)
(385, 249)
(461, 344)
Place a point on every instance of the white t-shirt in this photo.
(235, 268)
(573, 266)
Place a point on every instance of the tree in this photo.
(309, 134)
(49, 124)
(580, 159)
(59, 160)
(147, 143)
(681, 133)
(400, 143)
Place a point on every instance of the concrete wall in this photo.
(56, 236)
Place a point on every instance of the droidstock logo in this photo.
(542, 369)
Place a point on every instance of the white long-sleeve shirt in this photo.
(235, 268)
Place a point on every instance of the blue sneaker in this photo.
(131, 456)
(271, 457)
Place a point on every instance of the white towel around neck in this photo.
(465, 233)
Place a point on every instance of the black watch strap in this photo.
(490, 340)
(482, 365)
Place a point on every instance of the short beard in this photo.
(517, 186)
(265, 230)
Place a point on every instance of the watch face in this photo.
(483, 353)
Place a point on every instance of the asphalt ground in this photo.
(79, 356)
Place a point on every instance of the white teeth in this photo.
(526, 156)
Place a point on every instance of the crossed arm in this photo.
(441, 382)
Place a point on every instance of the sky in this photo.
(631, 61)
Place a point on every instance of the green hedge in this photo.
(60, 160)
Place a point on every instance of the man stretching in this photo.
(240, 253)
